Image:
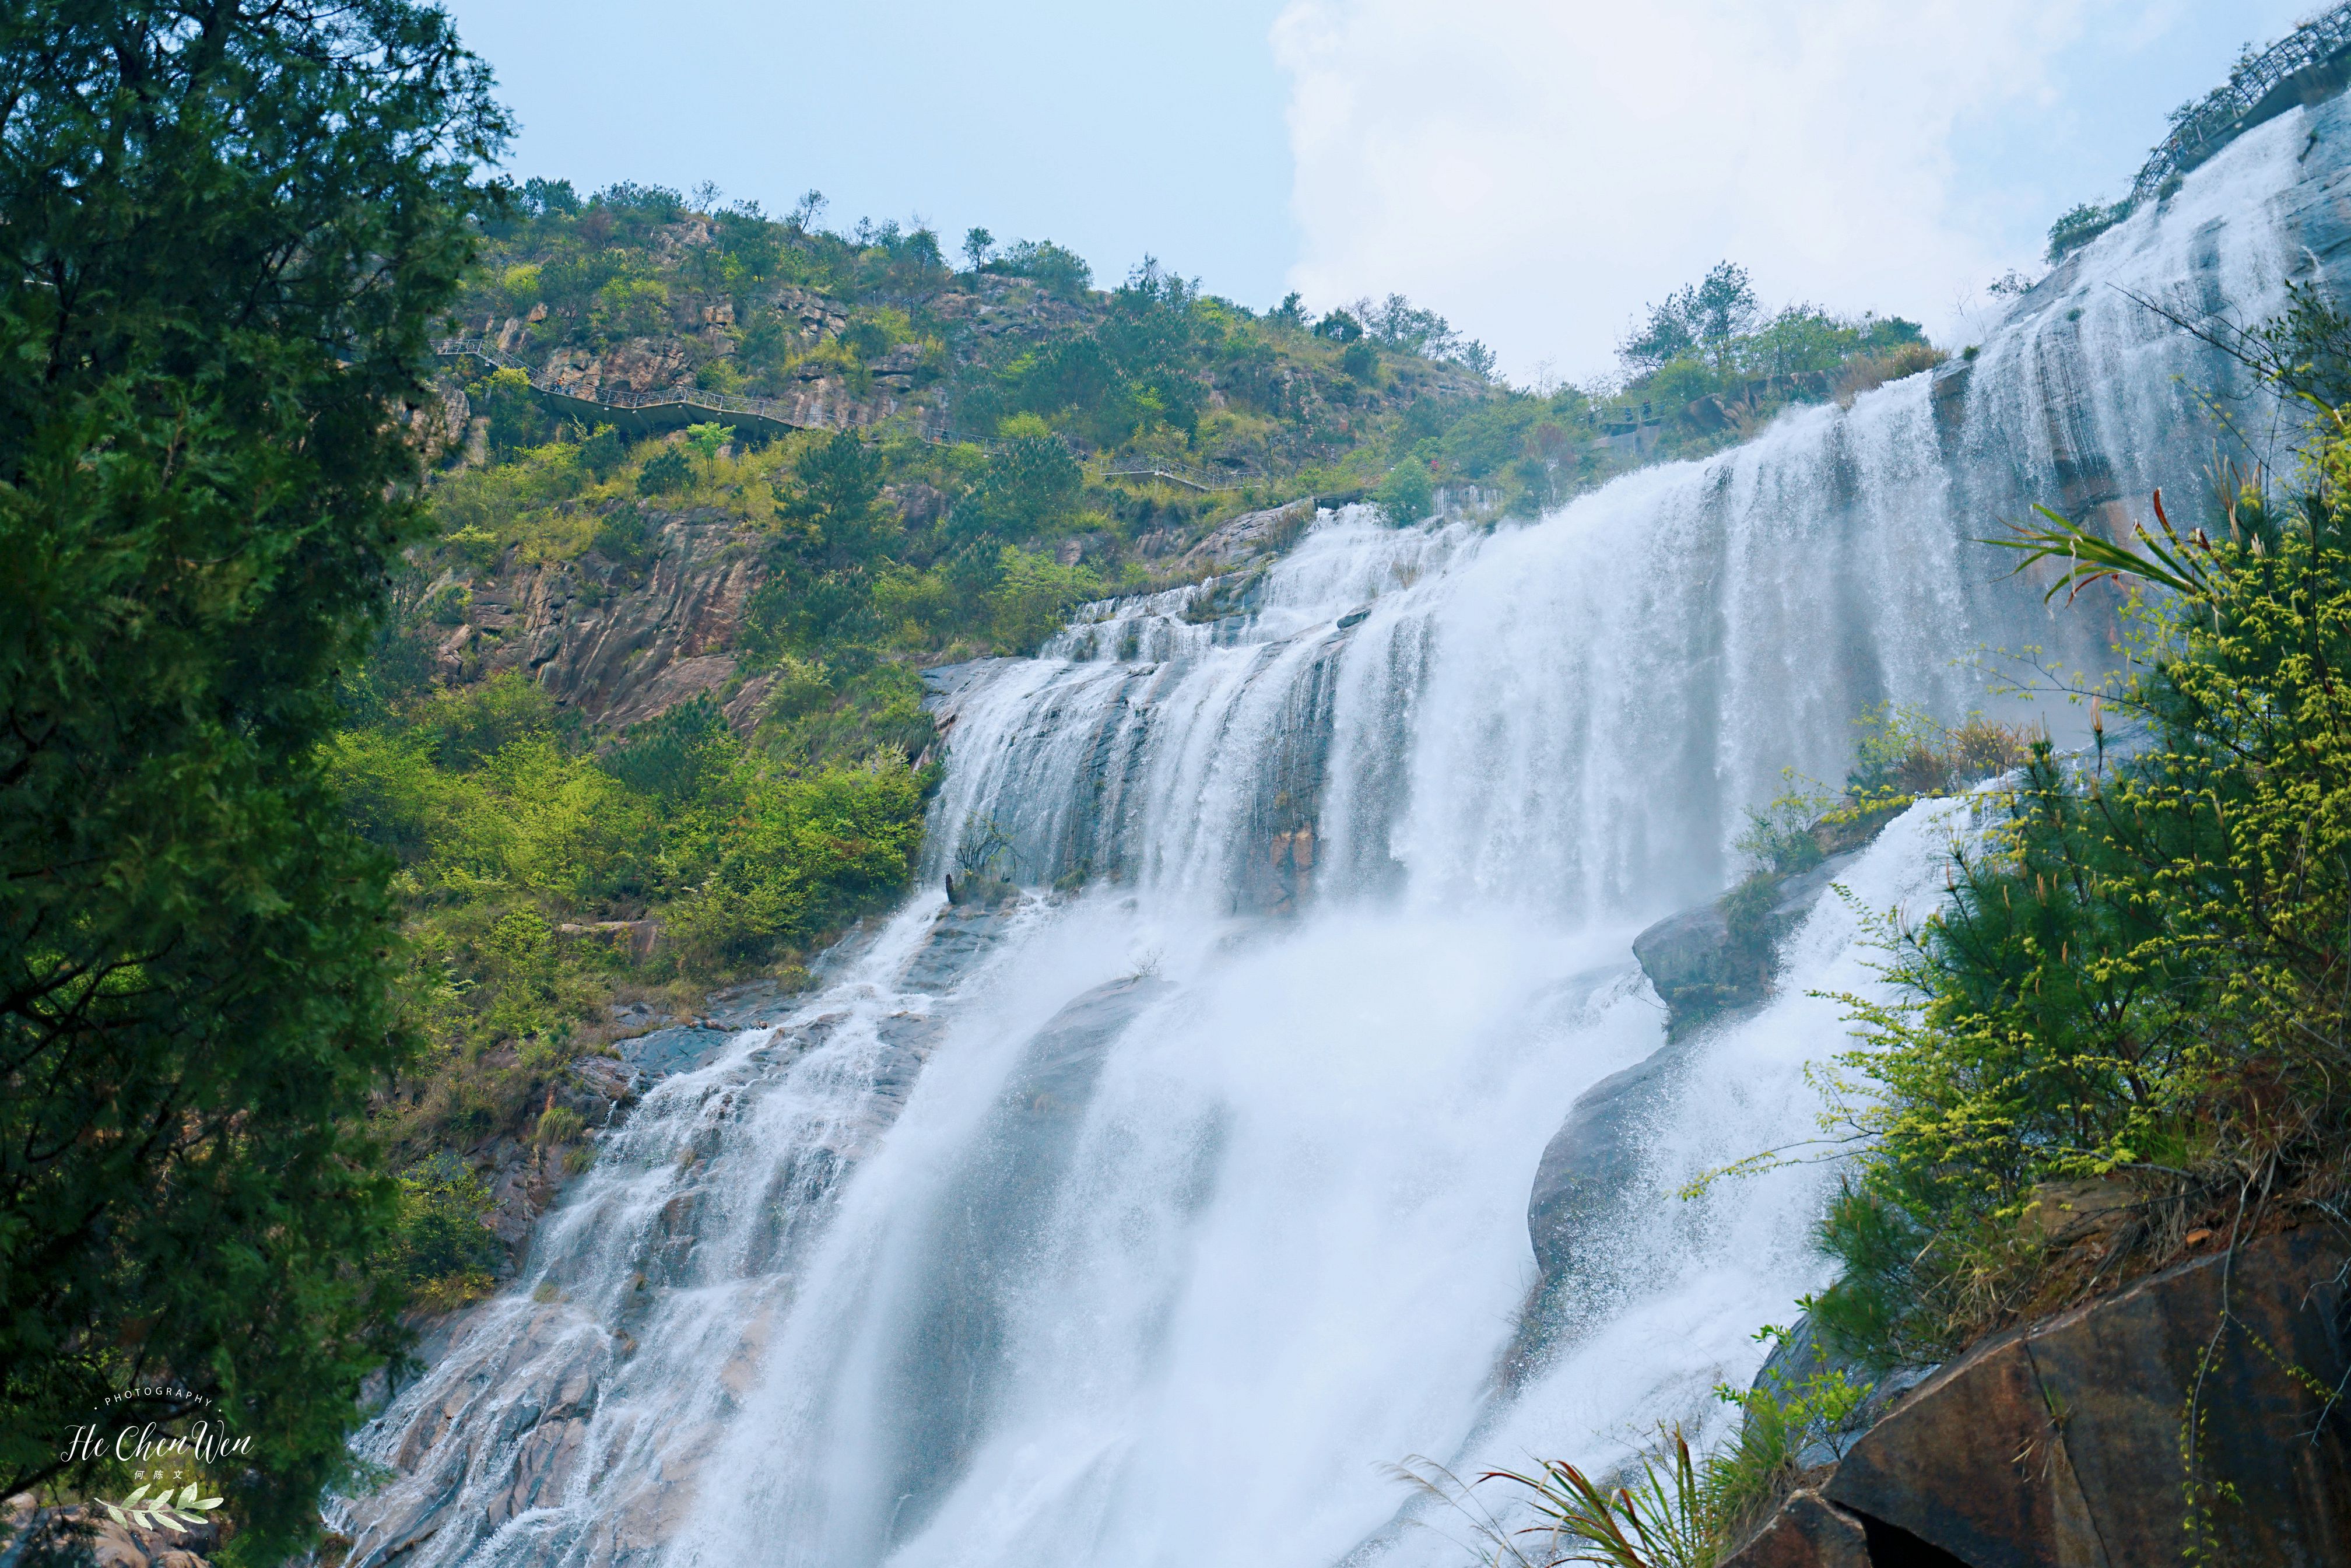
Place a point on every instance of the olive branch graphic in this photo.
(161, 1511)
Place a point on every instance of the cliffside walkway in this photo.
(645, 413)
(1190, 478)
(642, 413)
(2310, 63)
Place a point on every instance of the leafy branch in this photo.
(161, 1511)
(2169, 562)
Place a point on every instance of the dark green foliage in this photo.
(1057, 270)
(516, 419)
(1406, 495)
(1339, 327)
(1699, 318)
(442, 1250)
(623, 536)
(831, 514)
(1398, 325)
(508, 827)
(2141, 977)
(1361, 361)
(542, 197)
(604, 452)
(229, 233)
(670, 758)
(1026, 490)
(831, 535)
(666, 473)
(2082, 225)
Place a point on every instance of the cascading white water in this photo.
(1136, 1224)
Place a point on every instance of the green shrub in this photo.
(2138, 976)
(448, 606)
(604, 452)
(621, 535)
(443, 1251)
(2082, 225)
(558, 1125)
(479, 547)
(1406, 495)
(666, 473)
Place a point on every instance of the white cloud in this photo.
(1540, 171)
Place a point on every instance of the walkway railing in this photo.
(2252, 94)
(483, 348)
(1191, 478)
(488, 352)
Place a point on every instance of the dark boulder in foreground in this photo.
(2062, 1444)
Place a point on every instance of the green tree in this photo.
(708, 439)
(832, 514)
(603, 451)
(229, 228)
(664, 472)
(1406, 495)
(1703, 317)
(1027, 488)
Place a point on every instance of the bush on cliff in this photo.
(2140, 975)
(523, 855)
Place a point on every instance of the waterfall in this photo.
(1143, 1217)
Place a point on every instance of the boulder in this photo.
(2061, 1445)
(1699, 968)
(1592, 1165)
(1806, 1532)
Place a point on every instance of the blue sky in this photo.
(1535, 168)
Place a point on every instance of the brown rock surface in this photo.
(621, 650)
(2059, 1446)
(1248, 536)
(1806, 1533)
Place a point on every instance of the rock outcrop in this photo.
(1249, 536)
(2084, 1440)
(1704, 961)
(1590, 1181)
(616, 642)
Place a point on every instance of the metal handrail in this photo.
(1189, 478)
(2221, 115)
(488, 351)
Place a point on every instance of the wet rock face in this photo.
(2061, 1445)
(1702, 967)
(1591, 1169)
(1591, 1180)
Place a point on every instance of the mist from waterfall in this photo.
(1147, 1220)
